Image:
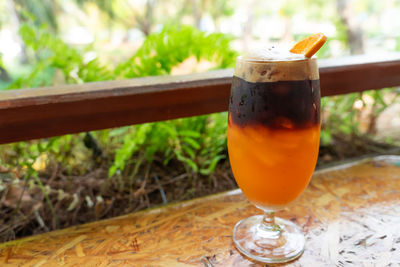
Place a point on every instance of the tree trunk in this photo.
(355, 34)
(196, 12)
(4, 75)
(146, 22)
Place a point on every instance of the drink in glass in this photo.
(273, 140)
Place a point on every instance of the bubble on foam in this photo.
(272, 53)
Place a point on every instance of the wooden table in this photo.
(350, 214)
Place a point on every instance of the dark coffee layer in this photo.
(277, 105)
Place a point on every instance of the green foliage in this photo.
(28, 154)
(3, 84)
(162, 51)
(52, 55)
(221, 8)
(341, 117)
(397, 47)
(183, 139)
(44, 12)
(199, 143)
(214, 143)
(157, 56)
(341, 31)
(106, 6)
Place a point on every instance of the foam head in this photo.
(272, 64)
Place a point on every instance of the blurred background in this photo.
(61, 181)
(115, 29)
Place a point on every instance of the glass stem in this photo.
(268, 226)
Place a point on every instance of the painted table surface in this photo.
(350, 214)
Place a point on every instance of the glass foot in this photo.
(283, 244)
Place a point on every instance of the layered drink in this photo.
(274, 126)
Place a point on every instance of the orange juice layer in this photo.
(272, 166)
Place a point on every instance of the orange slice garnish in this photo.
(309, 45)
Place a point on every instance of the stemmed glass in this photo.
(273, 141)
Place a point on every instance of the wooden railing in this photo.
(51, 111)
